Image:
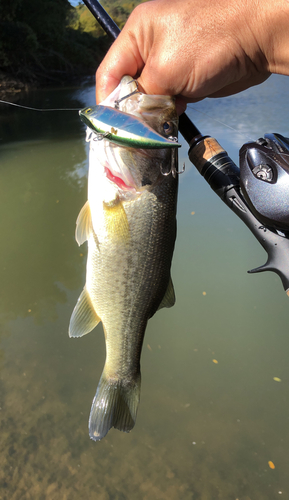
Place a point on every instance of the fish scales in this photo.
(142, 270)
(129, 222)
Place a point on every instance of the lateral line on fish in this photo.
(38, 109)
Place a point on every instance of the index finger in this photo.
(123, 58)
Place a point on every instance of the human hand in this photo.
(198, 48)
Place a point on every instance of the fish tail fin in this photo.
(115, 404)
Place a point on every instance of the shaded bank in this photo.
(50, 42)
(12, 88)
(59, 70)
(39, 46)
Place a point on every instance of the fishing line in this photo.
(220, 122)
(77, 109)
(249, 139)
(38, 109)
(41, 110)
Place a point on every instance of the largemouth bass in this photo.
(129, 222)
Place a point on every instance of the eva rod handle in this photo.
(186, 127)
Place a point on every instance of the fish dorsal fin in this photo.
(84, 317)
(83, 224)
(169, 298)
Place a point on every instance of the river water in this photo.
(211, 415)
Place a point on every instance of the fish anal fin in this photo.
(115, 405)
(84, 317)
(169, 298)
(83, 224)
(116, 222)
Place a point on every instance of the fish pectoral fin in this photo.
(169, 298)
(84, 318)
(116, 222)
(83, 224)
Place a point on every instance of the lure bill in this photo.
(124, 129)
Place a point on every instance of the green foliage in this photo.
(8, 9)
(119, 10)
(46, 40)
(46, 17)
(17, 40)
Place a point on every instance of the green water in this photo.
(204, 430)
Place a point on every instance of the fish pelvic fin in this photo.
(169, 298)
(84, 317)
(83, 224)
(115, 404)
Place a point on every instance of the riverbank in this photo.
(11, 87)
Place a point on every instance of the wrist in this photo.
(273, 30)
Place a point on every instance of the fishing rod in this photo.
(258, 192)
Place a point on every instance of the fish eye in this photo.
(87, 110)
(168, 128)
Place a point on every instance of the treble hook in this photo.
(100, 137)
(173, 170)
(136, 91)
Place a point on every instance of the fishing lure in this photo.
(124, 129)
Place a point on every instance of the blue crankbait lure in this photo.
(124, 129)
